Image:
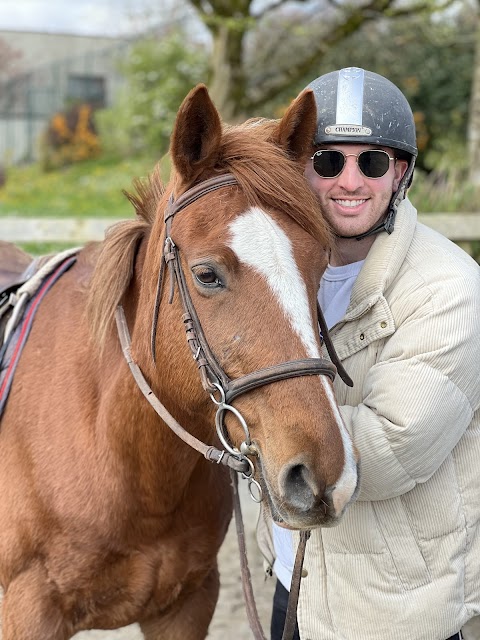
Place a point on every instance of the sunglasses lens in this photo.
(373, 164)
(328, 163)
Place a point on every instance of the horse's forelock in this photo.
(268, 177)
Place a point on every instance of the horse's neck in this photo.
(139, 434)
(158, 455)
(152, 456)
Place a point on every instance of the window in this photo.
(90, 89)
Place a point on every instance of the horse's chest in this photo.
(129, 586)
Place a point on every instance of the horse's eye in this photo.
(206, 276)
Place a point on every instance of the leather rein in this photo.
(223, 390)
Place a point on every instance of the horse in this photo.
(106, 516)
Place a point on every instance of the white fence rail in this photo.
(460, 227)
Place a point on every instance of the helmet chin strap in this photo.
(388, 222)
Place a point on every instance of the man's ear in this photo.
(400, 168)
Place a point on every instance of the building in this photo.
(53, 71)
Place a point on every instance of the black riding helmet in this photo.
(362, 107)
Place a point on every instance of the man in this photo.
(403, 305)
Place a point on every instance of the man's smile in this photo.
(349, 204)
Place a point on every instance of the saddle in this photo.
(24, 281)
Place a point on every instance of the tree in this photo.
(474, 119)
(159, 71)
(308, 29)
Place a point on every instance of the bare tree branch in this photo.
(229, 21)
(297, 69)
(420, 7)
(273, 7)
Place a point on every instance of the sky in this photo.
(87, 17)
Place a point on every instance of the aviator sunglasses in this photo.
(329, 163)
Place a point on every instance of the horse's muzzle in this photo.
(303, 501)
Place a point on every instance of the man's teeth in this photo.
(349, 203)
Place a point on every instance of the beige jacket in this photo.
(404, 564)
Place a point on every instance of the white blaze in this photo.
(260, 243)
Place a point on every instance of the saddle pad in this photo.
(10, 352)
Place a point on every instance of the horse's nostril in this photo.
(300, 488)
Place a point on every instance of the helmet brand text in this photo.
(348, 130)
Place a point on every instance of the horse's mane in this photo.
(267, 177)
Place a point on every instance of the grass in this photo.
(45, 248)
(89, 189)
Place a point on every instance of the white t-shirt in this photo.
(334, 297)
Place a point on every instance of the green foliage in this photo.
(445, 188)
(159, 74)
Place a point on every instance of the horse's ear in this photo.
(196, 135)
(296, 129)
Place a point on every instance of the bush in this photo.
(159, 73)
(71, 137)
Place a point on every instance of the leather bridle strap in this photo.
(209, 452)
(252, 613)
(291, 615)
(277, 372)
(331, 349)
(248, 595)
(173, 207)
(198, 191)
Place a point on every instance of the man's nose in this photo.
(351, 177)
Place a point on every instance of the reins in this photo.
(209, 452)
(222, 391)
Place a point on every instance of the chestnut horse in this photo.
(106, 517)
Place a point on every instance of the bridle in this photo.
(221, 388)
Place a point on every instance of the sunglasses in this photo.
(329, 163)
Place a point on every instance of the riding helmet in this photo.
(361, 107)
